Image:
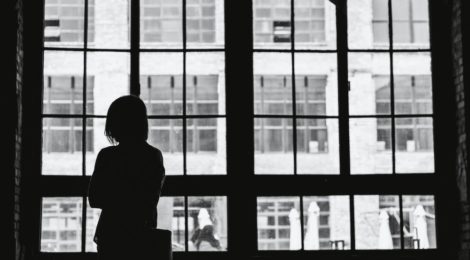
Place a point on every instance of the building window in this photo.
(63, 95)
(272, 24)
(162, 93)
(161, 21)
(412, 96)
(273, 96)
(64, 21)
(410, 21)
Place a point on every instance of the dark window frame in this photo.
(240, 168)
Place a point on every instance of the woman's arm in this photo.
(96, 188)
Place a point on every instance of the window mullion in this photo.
(135, 43)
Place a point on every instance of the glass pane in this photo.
(414, 145)
(63, 83)
(421, 33)
(420, 10)
(92, 217)
(317, 146)
(205, 23)
(419, 221)
(161, 24)
(110, 71)
(413, 83)
(369, 79)
(167, 135)
(61, 224)
(315, 24)
(109, 24)
(272, 24)
(161, 83)
(401, 33)
(96, 140)
(62, 146)
(205, 83)
(401, 9)
(316, 84)
(273, 146)
(171, 217)
(326, 223)
(370, 145)
(64, 23)
(207, 223)
(377, 222)
(272, 83)
(206, 146)
(411, 23)
(368, 24)
(279, 225)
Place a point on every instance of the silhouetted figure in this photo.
(126, 182)
(204, 237)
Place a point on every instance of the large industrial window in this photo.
(333, 120)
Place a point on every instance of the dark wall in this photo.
(460, 80)
(11, 137)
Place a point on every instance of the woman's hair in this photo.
(126, 120)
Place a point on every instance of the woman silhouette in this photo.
(126, 182)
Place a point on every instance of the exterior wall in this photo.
(462, 112)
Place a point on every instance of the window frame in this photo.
(240, 163)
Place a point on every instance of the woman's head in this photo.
(127, 120)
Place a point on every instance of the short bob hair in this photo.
(127, 120)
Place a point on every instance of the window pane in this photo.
(419, 221)
(326, 223)
(206, 146)
(317, 146)
(109, 24)
(279, 225)
(413, 83)
(162, 83)
(92, 215)
(369, 79)
(171, 217)
(272, 83)
(413, 94)
(402, 32)
(421, 32)
(61, 226)
(111, 73)
(205, 24)
(207, 223)
(273, 146)
(96, 140)
(62, 146)
(382, 94)
(420, 10)
(368, 24)
(401, 9)
(64, 23)
(167, 135)
(161, 24)
(271, 24)
(377, 222)
(315, 24)
(316, 84)
(414, 145)
(370, 145)
(63, 83)
(205, 83)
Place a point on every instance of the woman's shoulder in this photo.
(154, 151)
(108, 150)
